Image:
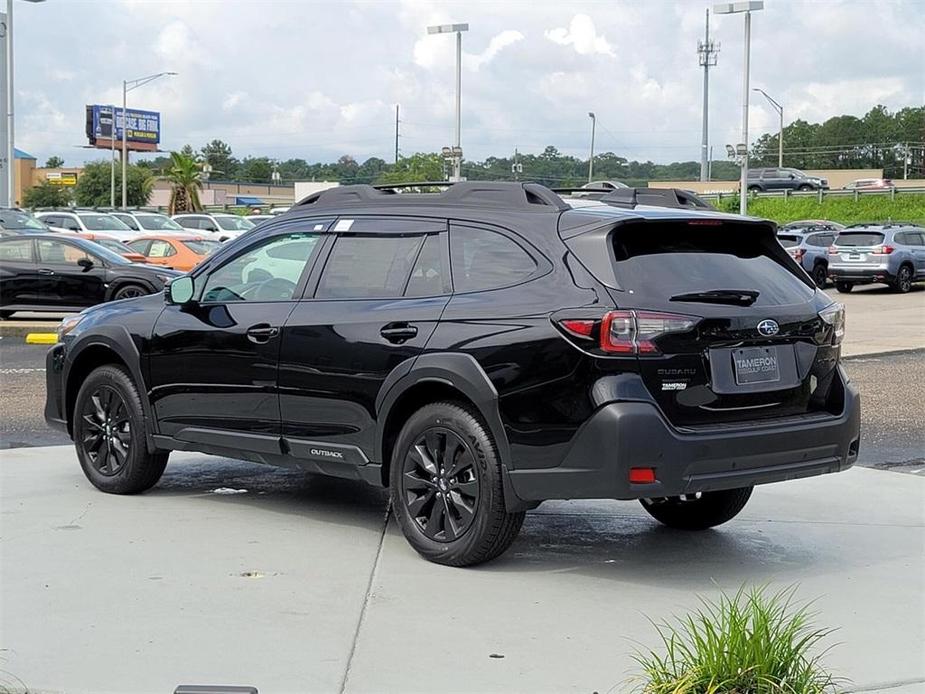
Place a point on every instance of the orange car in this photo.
(179, 251)
(113, 244)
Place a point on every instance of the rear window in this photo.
(202, 246)
(657, 261)
(859, 238)
(789, 241)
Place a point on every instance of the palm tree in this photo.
(185, 178)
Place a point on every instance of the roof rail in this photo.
(531, 197)
(631, 197)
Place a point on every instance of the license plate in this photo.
(756, 365)
(855, 256)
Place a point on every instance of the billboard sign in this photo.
(142, 126)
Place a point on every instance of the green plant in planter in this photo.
(750, 643)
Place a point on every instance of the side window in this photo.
(430, 275)
(187, 222)
(161, 249)
(367, 267)
(269, 271)
(128, 220)
(140, 246)
(60, 253)
(69, 223)
(918, 238)
(17, 251)
(902, 238)
(485, 259)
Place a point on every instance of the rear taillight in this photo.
(798, 253)
(833, 250)
(834, 315)
(634, 332)
(882, 250)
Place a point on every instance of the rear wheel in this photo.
(446, 487)
(130, 291)
(903, 283)
(109, 434)
(844, 287)
(698, 511)
(820, 275)
(754, 189)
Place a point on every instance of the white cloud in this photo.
(232, 100)
(495, 46)
(581, 35)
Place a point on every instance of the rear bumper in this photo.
(54, 388)
(853, 273)
(624, 435)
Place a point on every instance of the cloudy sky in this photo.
(320, 79)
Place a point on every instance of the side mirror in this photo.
(792, 176)
(212, 228)
(180, 291)
(85, 263)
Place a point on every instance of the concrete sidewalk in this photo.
(301, 585)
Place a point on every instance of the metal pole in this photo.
(124, 146)
(457, 163)
(10, 140)
(743, 182)
(780, 141)
(112, 157)
(704, 147)
(591, 158)
(396, 133)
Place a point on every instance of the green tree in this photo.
(93, 185)
(46, 195)
(418, 167)
(218, 155)
(185, 179)
(256, 170)
(54, 163)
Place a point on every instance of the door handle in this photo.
(398, 332)
(46, 271)
(261, 333)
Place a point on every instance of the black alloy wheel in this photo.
(820, 275)
(106, 430)
(440, 485)
(904, 280)
(131, 291)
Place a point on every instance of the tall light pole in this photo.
(127, 86)
(747, 8)
(780, 136)
(591, 158)
(707, 51)
(458, 29)
(8, 194)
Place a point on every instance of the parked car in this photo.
(260, 218)
(769, 179)
(113, 244)
(224, 226)
(623, 351)
(53, 272)
(806, 226)
(138, 220)
(86, 221)
(892, 254)
(870, 184)
(810, 248)
(19, 222)
(179, 251)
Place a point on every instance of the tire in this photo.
(473, 524)
(805, 187)
(117, 462)
(820, 275)
(130, 291)
(4, 315)
(844, 287)
(700, 512)
(754, 189)
(903, 283)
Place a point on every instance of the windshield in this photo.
(14, 219)
(857, 238)
(789, 241)
(201, 246)
(114, 246)
(103, 222)
(234, 223)
(157, 222)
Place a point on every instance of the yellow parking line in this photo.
(41, 338)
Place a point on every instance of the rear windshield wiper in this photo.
(738, 297)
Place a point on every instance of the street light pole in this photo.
(591, 158)
(707, 51)
(780, 136)
(457, 29)
(127, 86)
(747, 8)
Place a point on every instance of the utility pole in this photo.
(591, 158)
(396, 133)
(707, 51)
(517, 168)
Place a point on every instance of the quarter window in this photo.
(161, 249)
(17, 251)
(430, 275)
(366, 267)
(485, 259)
(270, 271)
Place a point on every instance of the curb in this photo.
(887, 352)
(41, 338)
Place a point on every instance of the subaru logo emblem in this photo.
(768, 327)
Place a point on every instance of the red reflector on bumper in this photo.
(642, 475)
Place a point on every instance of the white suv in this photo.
(87, 221)
(148, 221)
(224, 226)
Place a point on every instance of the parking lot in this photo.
(234, 573)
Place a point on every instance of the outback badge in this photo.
(768, 327)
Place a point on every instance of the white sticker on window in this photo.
(343, 225)
(318, 227)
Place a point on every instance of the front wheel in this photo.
(698, 511)
(820, 275)
(805, 187)
(844, 287)
(129, 291)
(109, 433)
(446, 487)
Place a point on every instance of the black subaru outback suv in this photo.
(476, 351)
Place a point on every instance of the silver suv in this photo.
(892, 254)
